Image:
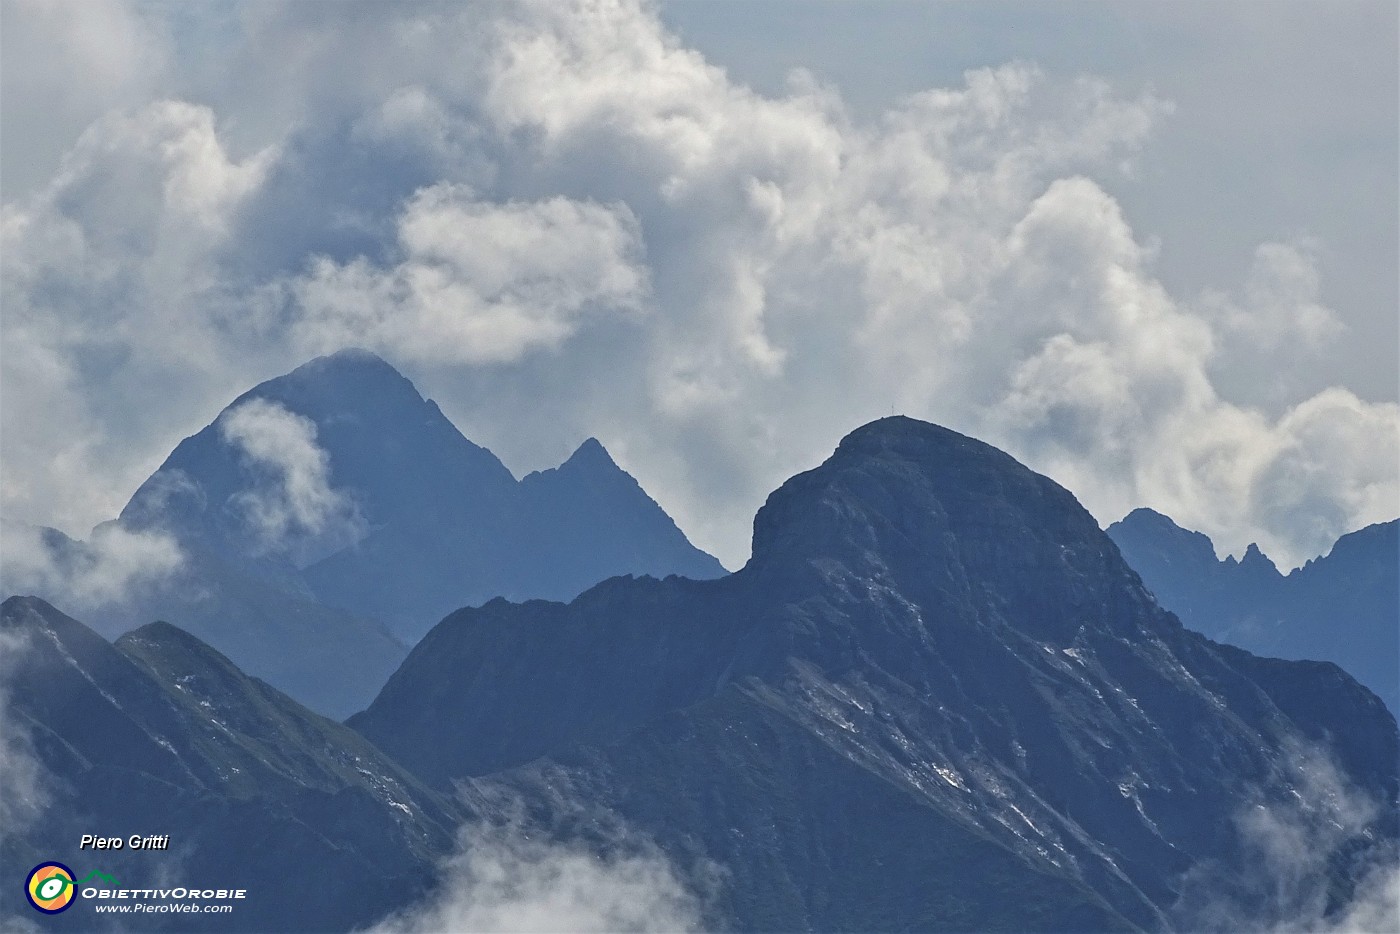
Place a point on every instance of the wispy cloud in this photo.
(513, 878)
(112, 568)
(1313, 860)
(292, 506)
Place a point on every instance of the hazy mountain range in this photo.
(936, 698)
(328, 518)
(1342, 607)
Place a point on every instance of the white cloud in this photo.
(563, 223)
(293, 507)
(115, 313)
(955, 261)
(112, 568)
(1280, 299)
(479, 282)
(512, 879)
(1293, 851)
(1120, 404)
(63, 64)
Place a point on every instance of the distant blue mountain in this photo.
(325, 534)
(1343, 607)
(445, 524)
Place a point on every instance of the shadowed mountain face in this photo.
(329, 517)
(935, 683)
(414, 519)
(1343, 607)
(161, 734)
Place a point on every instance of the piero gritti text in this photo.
(134, 842)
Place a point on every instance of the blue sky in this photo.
(1148, 248)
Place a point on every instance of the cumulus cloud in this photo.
(479, 282)
(563, 223)
(508, 878)
(292, 507)
(114, 300)
(1280, 298)
(114, 567)
(1295, 850)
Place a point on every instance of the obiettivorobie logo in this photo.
(51, 887)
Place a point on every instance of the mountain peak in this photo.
(1143, 516)
(1148, 538)
(909, 484)
(1257, 560)
(590, 454)
(910, 505)
(337, 382)
(163, 633)
(350, 358)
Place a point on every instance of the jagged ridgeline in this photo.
(936, 698)
(1342, 607)
(329, 517)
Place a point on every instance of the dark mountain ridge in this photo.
(925, 621)
(1342, 607)
(159, 733)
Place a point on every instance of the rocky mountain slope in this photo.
(935, 684)
(160, 734)
(1343, 607)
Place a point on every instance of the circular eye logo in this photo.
(49, 887)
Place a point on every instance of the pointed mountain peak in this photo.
(18, 611)
(386, 454)
(350, 367)
(29, 617)
(590, 455)
(1258, 563)
(1252, 553)
(589, 460)
(1253, 563)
